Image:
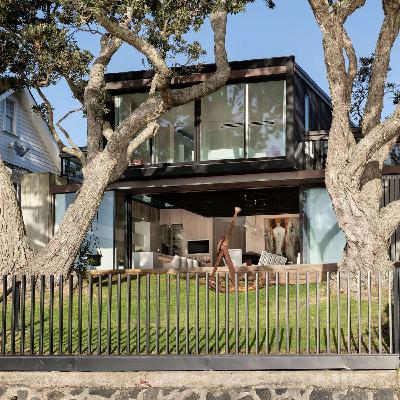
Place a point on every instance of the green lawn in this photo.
(237, 340)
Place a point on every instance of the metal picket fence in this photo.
(184, 320)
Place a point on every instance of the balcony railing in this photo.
(315, 153)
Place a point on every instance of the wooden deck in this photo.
(291, 269)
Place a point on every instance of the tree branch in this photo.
(76, 152)
(64, 131)
(107, 130)
(158, 103)
(342, 9)
(380, 67)
(145, 134)
(123, 33)
(93, 95)
(352, 58)
(336, 41)
(347, 8)
(379, 136)
(162, 77)
(221, 75)
(390, 217)
(77, 89)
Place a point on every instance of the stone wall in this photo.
(302, 385)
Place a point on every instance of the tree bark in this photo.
(367, 246)
(357, 206)
(354, 170)
(59, 255)
(103, 165)
(15, 252)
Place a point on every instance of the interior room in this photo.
(191, 224)
(147, 231)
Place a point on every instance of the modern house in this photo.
(27, 146)
(258, 143)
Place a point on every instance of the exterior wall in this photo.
(37, 207)
(320, 114)
(323, 228)
(120, 227)
(37, 159)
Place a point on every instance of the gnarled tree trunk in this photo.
(358, 215)
(104, 163)
(354, 169)
(63, 248)
(15, 252)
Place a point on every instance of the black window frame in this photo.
(197, 121)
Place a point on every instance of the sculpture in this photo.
(223, 251)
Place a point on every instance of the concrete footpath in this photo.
(270, 385)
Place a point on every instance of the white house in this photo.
(27, 146)
(26, 143)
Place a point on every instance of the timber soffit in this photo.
(190, 75)
(269, 179)
(203, 183)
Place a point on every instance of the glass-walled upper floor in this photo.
(239, 121)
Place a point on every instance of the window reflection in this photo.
(251, 114)
(124, 105)
(174, 141)
(266, 119)
(393, 157)
(222, 124)
(323, 240)
(99, 240)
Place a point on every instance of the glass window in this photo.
(10, 116)
(306, 113)
(266, 119)
(323, 240)
(393, 157)
(222, 124)
(124, 105)
(99, 240)
(174, 141)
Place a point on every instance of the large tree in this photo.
(41, 38)
(354, 169)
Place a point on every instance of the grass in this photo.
(277, 328)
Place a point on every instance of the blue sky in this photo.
(289, 29)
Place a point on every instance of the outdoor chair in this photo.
(271, 259)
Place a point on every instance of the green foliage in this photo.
(39, 42)
(40, 46)
(90, 247)
(37, 49)
(361, 87)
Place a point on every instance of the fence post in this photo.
(396, 311)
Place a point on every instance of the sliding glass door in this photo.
(238, 121)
